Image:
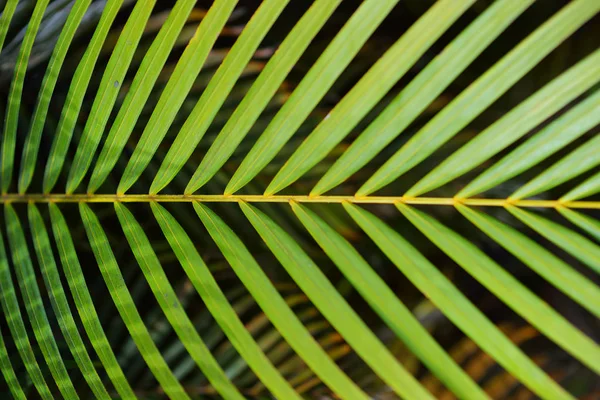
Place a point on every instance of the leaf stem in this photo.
(220, 198)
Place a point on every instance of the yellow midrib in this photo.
(211, 198)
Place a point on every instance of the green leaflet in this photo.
(176, 90)
(422, 90)
(371, 88)
(273, 305)
(139, 92)
(588, 224)
(215, 94)
(591, 185)
(399, 318)
(311, 89)
(34, 304)
(10, 309)
(108, 90)
(5, 18)
(60, 303)
(170, 304)
(32, 143)
(9, 373)
(483, 92)
(74, 100)
(84, 304)
(512, 292)
(11, 120)
(580, 160)
(577, 245)
(219, 306)
(429, 280)
(259, 95)
(515, 124)
(577, 121)
(332, 305)
(127, 308)
(553, 269)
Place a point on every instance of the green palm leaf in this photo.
(312, 88)
(126, 305)
(9, 133)
(262, 90)
(448, 298)
(580, 247)
(175, 92)
(216, 302)
(503, 285)
(280, 290)
(421, 91)
(170, 304)
(34, 303)
(331, 304)
(268, 298)
(483, 92)
(584, 222)
(108, 91)
(60, 302)
(74, 100)
(374, 290)
(84, 303)
(10, 306)
(31, 147)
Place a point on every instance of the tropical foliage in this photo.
(285, 198)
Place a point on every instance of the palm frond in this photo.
(144, 121)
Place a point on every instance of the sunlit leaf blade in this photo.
(577, 121)
(483, 92)
(274, 306)
(422, 90)
(265, 86)
(139, 92)
(580, 160)
(311, 89)
(108, 90)
(449, 299)
(12, 313)
(217, 91)
(5, 18)
(60, 303)
(74, 100)
(572, 242)
(590, 186)
(176, 90)
(371, 88)
(11, 119)
(8, 371)
(34, 304)
(332, 305)
(388, 306)
(512, 292)
(170, 304)
(219, 306)
(553, 269)
(515, 124)
(127, 308)
(32, 143)
(84, 304)
(588, 224)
